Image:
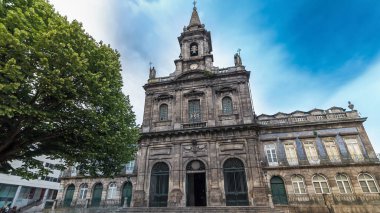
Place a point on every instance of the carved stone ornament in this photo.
(194, 148)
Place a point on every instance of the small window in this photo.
(368, 184)
(83, 191)
(270, 150)
(194, 49)
(163, 112)
(227, 105)
(298, 185)
(343, 184)
(320, 184)
(111, 191)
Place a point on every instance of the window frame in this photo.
(112, 190)
(194, 116)
(342, 182)
(227, 105)
(354, 148)
(297, 182)
(366, 181)
(292, 160)
(332, 149)
(320, 185)
(310, 148)
(83, 190)
(271, 147)
(161, 111)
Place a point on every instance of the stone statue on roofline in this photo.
(237, 59)
(152, 72)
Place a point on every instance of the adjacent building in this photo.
(16, 191)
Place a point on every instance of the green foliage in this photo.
(60, 94)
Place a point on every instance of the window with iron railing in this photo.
(194, 111)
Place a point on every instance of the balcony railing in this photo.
(289, 119)
(194, 125)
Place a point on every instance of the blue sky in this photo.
(302, 54)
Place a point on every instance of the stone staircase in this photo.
(229, 209)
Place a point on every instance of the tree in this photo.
(60, 94)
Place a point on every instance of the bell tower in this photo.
(195, 44)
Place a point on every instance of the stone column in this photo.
(175, 193)
(215, 197)
(257, 193)
(139, 199)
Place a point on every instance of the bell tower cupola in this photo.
(196, 47)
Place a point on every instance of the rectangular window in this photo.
(291, 153)
(311, 152)
(270, 150)
(194, 111)
(354, 149)
(331, 149)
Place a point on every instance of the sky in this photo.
(302, 54)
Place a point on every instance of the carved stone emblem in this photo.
(194, 148)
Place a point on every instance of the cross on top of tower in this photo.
(195, 3)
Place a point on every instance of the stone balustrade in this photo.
(307, 117)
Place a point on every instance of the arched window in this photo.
(159, 185)
(163, 112)
(112, 188)
(83, 191)
(298, 185)
(235, 184)
(194, 49)
(320, 184)
(227, 105)
(343, 183)
(368, 183)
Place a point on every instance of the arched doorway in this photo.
(69, 196)
(235, 184)
(97, 195)
(196, 184)
(126, 195)
(159, 185)
(278, 190)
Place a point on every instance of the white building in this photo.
(19, 192)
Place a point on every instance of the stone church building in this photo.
(202, 145)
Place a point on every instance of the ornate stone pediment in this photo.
(194, 92)
(192, 75)
(164, 96)
(225, 90)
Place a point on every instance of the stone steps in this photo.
(229, 209)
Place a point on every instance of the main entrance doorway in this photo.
(195, 184)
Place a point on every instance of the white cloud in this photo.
(364, 93)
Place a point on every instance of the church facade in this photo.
(203, 145)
